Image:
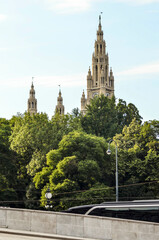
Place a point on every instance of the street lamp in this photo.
(48, 196)
(109, 152)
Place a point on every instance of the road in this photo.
(5, 236)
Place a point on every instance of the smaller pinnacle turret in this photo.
(111, 79)
(111, 72)
(32, 101)
(60, 107)
(89, 73)
(83, 102)
(83, 95)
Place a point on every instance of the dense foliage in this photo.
(139, 159)
(106, 118)
(68, 154)
(9, 179)
(79, 163)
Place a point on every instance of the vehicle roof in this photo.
(135, 202)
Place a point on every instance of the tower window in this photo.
(32, 105)
(106, 70)
(100, 48)
(96, 73)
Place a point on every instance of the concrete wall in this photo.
(77, 225)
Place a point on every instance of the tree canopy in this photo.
(79, 163)
(68, 154)
(139, 159)
(8, 164)
(106, 118)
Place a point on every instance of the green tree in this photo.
(106, 118)
(8, 164)
(79, 163)
(101, 117)
(33, 137)
(126, 113)
(139, 159)
(75, 113)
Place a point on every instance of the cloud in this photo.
(3, 17)
(77, 6)
(151, 68)
(47, 81)
(68, 6)
(138, 2)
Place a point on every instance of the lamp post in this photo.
(109, 152)
(48, 196)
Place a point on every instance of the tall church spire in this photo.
(32, 101)
(100, 80)
(60, 107)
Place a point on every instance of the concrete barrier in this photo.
(77, 225)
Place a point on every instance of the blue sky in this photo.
(53, 41)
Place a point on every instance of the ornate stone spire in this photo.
(60, 107)
(32, 101)
(111, 79)
(100, 80)
(83, 95)
(83, 103)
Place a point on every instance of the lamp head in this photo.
(108, 151)
(48, 194)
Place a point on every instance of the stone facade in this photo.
(101, 80)
(32, 101)
(60, 107)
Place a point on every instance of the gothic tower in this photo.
(32, 102)
(100, 81)
(83, 103)
(60, 107)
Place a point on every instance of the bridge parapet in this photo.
(77, 225)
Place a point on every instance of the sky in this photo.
(53, 41)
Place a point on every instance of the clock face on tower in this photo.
(95, 94)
